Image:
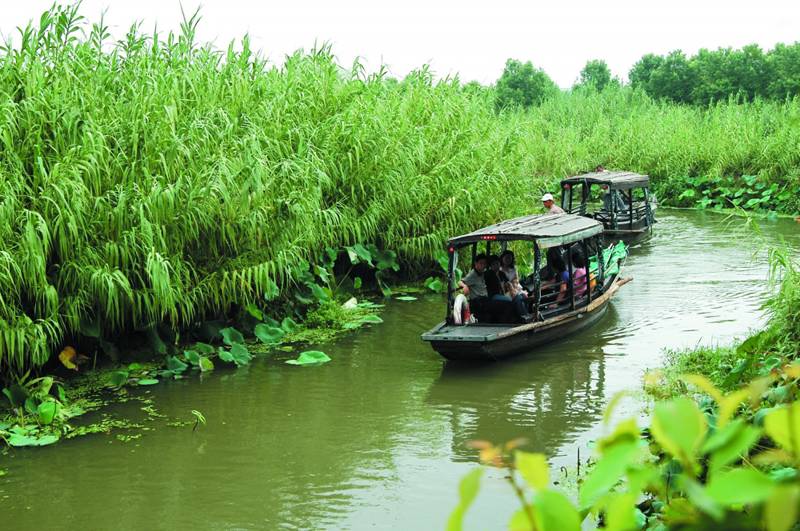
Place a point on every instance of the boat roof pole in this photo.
(571, 278)
(537, 281)
(451, 255)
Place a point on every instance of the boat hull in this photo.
(517, 343)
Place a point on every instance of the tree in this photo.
(522, 85)
(674, 79)
(595, 74)
(783, 63)
(642, 71)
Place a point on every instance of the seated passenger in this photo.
(578, 275)
(551, 273)
(501, 289)
(474, 284)
(508, 266)
(613, 198)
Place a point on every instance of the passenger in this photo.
(578, 275)
(502, 290)
(474, 285)
(550, 206)
(508, 266)
(555, 265)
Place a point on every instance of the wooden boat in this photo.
(625, 207)
(553, 318)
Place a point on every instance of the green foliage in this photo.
(661, 478)
(522, 86)
(724, 74)
(595, 75)
(310, 358)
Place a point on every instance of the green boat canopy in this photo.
(615, 180)
(548, 230)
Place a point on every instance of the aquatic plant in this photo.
(690, 469)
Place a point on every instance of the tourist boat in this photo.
(556, 313)
(621, 201)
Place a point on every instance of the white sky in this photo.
(472, 39)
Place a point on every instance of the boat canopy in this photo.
(615, 180)
(548, 230)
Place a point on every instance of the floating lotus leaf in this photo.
(309, 358)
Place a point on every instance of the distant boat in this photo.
(556, 312)
(625, 206)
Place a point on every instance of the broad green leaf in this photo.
(254, 311)
(241, 356)
(205, 364)
(268, 334)
(47, 412)
(607, 472)
(740, 486)
(731, 443)
(780, 512)
(147, 381)
(371, 318)
(620, 513)
(16, 439)
(231, 336)
(701, 499)
(729, 404)
(521, 521)
(467, 490)
(554, 512)
(679, 427)
(533, 468)
(357, 283)
(319, 293)
(16, 395)
(704, 384)
(310, 357)
(135, 367)
(118, 378)
(203, 348)
(175, 365)
(406, 298)
(434, 284)
(289, 325)
(783, 425)
(225, 355)
(358, 253)
(192, 357)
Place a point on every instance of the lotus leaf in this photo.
(268, 334)
(309, 358)
(230, 336)
(175, 365)
(47, 412)
(147, 381)
(205, 364)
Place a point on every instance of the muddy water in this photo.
(376, 439)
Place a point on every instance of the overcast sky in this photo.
(472, 39)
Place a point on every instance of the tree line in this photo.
(709, 76)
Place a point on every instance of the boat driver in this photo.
(550, 205)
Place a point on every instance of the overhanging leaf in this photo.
(740, 486)
(783, 425)
(679, 427)
(554, 512)
(467, 490)
(533, 468)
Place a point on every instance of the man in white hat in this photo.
(549, 204)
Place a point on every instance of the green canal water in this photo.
(377, 438)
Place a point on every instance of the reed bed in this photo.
(156, 180)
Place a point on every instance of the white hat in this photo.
(547, 197)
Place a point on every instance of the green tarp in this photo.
(613, 257)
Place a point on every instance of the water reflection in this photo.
(544, 397)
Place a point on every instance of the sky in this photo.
(470, 39)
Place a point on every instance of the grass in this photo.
(157, 180)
